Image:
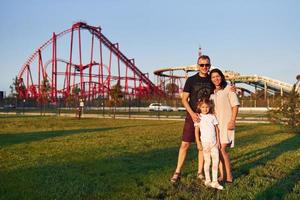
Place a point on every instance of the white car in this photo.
(159, 107)
(181, 109)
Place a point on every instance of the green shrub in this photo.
(288, 113)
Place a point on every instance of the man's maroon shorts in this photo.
(188, 134)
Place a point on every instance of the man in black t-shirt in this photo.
(196, 87)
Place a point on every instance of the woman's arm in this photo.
(231, 124)
(218, 136)
(234, 102)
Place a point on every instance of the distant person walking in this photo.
(196, 87)
(226, 109)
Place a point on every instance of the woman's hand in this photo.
(232, 88)
(231, 125)
(218, 145)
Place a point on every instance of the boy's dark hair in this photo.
(223, 80)
(207, 102)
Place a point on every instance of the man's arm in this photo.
(185, 103)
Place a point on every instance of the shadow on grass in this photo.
(255, 135)
(121, 177)
(250, 140)
(266, 154)
(282, 187)
(16, 138)
(245, 127)
(10, 139)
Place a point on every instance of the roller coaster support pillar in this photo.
(265, 88)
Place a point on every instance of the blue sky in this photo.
(249, 37)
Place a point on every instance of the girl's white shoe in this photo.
(216, 185)
(207, 183)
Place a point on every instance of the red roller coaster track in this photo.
(105, 66)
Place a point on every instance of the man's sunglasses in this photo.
(204, 65)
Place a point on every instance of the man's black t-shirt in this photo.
(199, 88)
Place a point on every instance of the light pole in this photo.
(103, 106)
(23, 105)
(129, 105)
(58, 101)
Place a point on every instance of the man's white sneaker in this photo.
(216, 185)
(207, 183)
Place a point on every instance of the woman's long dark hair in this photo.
(223, 80)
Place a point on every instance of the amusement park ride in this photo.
(82, 60)
(269, 85)
(59, 66)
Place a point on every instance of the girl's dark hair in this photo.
(223, 80)
(205, 101)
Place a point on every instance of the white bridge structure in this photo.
(269, 85)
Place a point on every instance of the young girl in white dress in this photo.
(208, 141)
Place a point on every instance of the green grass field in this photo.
(65, 158)
(109, 112)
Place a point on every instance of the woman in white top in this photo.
(226, 109)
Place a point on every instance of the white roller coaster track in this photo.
(254, 80)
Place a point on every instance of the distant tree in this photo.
(12, 88)
(116, 96)
(44, 94)
(72, 99)
(171, 89)
(15, 88)
(289, 112)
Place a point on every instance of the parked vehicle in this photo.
(9, 106)
(181, 109)
(159, 107)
